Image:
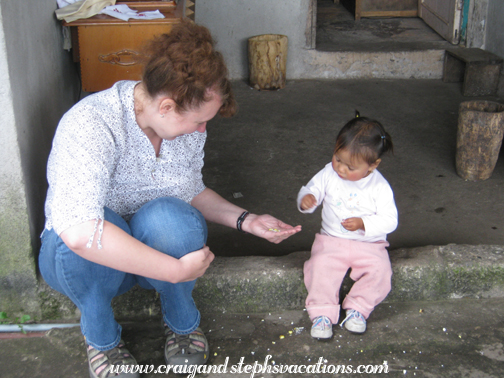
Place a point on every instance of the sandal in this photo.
(102, 362)
(189, 349)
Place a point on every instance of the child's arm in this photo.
(384, 221)
(312, 195)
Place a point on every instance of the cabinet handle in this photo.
(122, 58)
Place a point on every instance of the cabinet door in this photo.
(444, 16)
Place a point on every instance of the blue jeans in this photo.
(168, 225)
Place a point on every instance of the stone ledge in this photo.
(258, 284)
(451, 271)
(262, 284)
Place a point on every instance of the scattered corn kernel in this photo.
(281, 337)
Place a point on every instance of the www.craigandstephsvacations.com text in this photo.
(321, 367)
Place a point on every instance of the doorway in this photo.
(337, 30)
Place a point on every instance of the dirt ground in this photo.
(455, 338)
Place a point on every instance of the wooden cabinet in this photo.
(109, 49)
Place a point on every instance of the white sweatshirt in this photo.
(371, 198)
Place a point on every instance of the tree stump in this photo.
(479, 138)
(267, 61)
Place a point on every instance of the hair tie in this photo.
(383, 140)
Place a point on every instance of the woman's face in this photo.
(171, 124)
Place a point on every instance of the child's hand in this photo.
(353, 224)
(308, 202)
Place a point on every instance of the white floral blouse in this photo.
(100, 157)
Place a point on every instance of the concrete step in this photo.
(407, 64)
(259, 284)
(255, 284)
(375, 47)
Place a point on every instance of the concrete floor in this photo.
(460, 338)
(280, 139)
(337, 30)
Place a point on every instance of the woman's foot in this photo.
(115, 362)
(191, 349)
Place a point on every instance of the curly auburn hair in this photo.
(184, 65)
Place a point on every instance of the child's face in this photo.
(351, 169)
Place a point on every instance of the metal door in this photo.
(444, 16)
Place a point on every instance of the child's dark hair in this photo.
(364, 138)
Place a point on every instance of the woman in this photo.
(126, 202)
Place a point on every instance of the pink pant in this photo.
(331, 257)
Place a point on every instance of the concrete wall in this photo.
(485, 29)
(16, 264)
(38, 84)
(477, 23)
(495, 28)
(232, 22)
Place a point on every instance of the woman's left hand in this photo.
(269, 228)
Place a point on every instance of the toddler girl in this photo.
(358, 212)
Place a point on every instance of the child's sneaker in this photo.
(354, 321)
(321, 328)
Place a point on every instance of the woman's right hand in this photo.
(194, 264)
